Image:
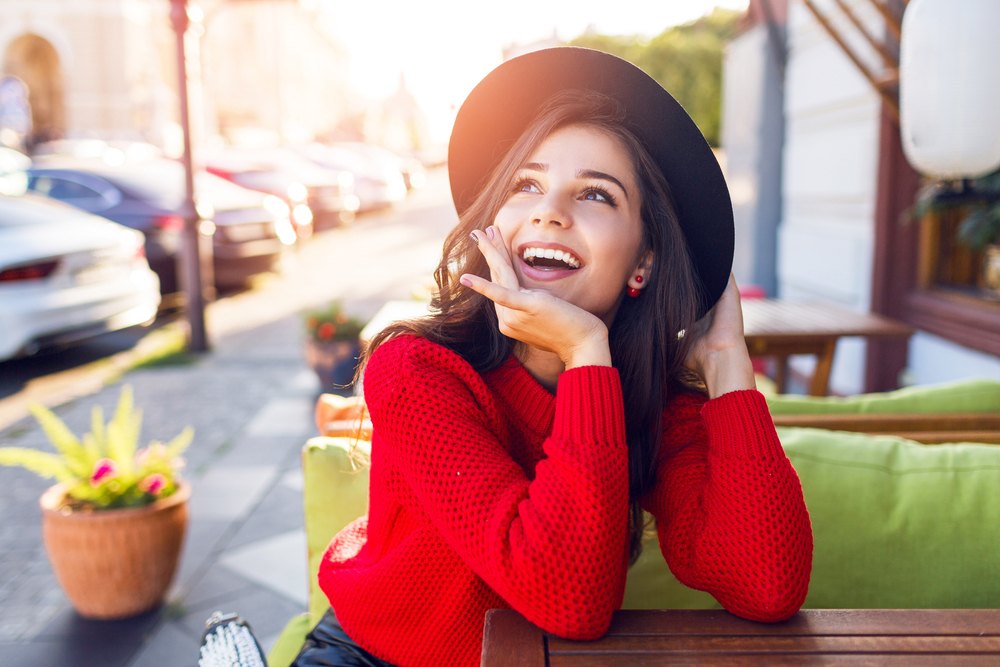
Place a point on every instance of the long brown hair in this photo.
(644, 342)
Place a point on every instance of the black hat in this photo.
(502, 105)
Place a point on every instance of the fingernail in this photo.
(474, 237)
(465, 280)
(489, 232)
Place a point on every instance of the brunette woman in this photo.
(522, 429)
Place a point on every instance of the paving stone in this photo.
(171, 645)
(280, 563)
(279, 512)
(217, 583)
(266, 611)
(230, 492)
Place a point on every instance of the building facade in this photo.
(107, 68)
(839, 234)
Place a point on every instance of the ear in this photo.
(643, 269)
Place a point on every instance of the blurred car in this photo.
(251, 233)
(411, 169)
(314, 193)
(376, 185)
(67, 275)
(13, 171)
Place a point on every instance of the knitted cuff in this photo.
(589, 406)
(739, 425)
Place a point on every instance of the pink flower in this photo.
(153, 484)
(104, 469)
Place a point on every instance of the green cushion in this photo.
(895, 524)
(290, 641)
(650, 585)
(978, 395)
(336, 493)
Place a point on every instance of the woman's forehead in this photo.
(584, 147)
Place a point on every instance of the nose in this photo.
(552, 209)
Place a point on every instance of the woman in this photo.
(521, 430)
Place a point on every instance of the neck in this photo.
(545, 367)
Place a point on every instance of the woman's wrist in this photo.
(593, 351)
(728, 370)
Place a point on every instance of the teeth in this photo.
(551, 253)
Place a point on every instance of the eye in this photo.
(526, 185)
(594, 193)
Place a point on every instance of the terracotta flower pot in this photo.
(334, 362)
(114, 563)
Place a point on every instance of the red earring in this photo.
(634, 291)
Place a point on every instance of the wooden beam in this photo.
(890, 59)
(892, 20)
(890, 100)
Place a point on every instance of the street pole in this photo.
(190, 256)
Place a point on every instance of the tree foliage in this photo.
(685, 59)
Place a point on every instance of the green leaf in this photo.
(74, 455)
(123, 431)
(44, 464)
(177, 446)
(97, 444)
(978, 229)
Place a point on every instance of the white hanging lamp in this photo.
(949, 87)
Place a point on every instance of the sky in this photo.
(444, 47)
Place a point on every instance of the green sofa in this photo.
(896, 524)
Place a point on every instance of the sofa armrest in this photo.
(931, 429)
(335, 494)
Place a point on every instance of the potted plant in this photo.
(332, 346)
(114, 523)
(979, 230)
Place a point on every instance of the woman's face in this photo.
(572, 222)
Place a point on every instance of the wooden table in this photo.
(911, 637)
(776, 328)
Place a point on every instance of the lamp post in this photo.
(190, 256)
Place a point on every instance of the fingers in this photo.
(491, 245)
(498, 294)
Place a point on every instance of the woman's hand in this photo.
(719, 352)
(535, 317)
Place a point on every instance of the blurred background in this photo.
(319, 200)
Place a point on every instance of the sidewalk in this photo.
(250, 401)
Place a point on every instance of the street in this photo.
(250, 401)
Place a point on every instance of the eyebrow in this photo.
(582, 173)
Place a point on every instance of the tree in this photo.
(684, 59)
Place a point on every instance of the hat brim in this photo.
(502, 105)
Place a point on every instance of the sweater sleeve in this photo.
(555, 546)
(730, 513)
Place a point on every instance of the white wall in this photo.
(826, 234)
(934, 359)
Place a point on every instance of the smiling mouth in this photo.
(548, 259)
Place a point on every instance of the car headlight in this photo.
(276, 206)
(297, 192)
(302, 214)
(286, 233)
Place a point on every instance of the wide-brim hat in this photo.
(502, 105)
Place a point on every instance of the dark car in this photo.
(250, 232)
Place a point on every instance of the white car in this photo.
(66, 275)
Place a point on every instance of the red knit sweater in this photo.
(488, 492)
